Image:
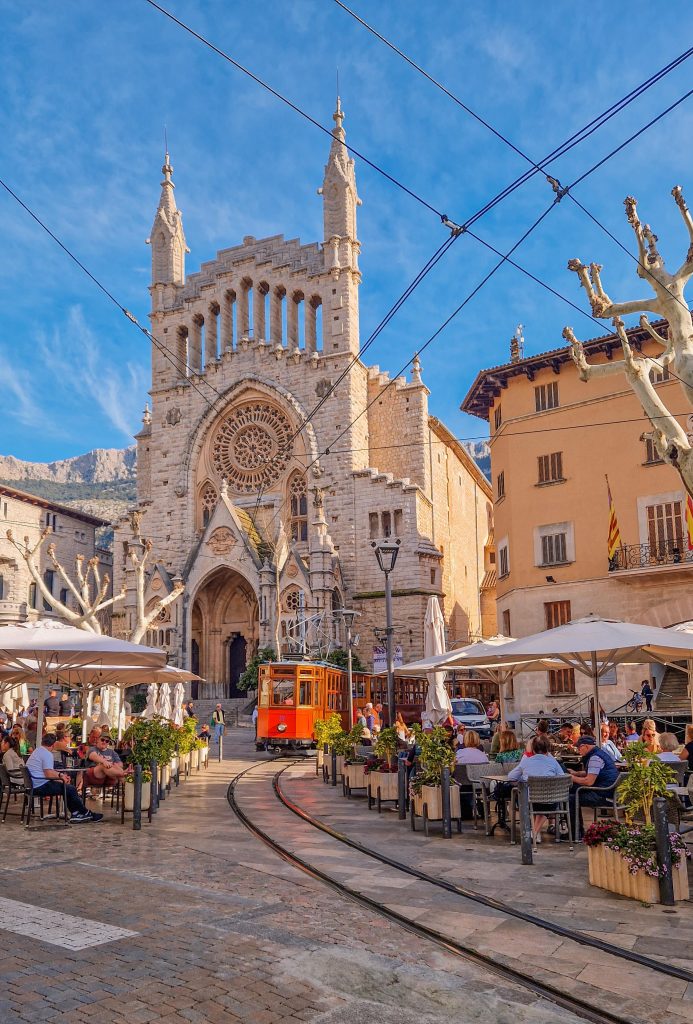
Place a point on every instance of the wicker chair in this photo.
(554, 789)
(475, 773)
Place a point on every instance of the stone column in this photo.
(243, 322)
(276, 315)
(211, 334)
(195, 344)
(227, 320)
(310, 325)
(259, 331)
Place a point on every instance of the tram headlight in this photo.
(281, 727)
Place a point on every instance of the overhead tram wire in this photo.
(561, 150)
(538, 167)
(505, 258)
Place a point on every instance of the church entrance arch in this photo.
(225, 624)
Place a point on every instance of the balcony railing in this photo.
(647, 556)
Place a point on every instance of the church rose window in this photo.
(292, 600)
(252, 446)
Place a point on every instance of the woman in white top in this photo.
(471, 752)
(539, 764)
(10, 754)
(608, 744)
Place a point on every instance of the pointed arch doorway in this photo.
(225, 628)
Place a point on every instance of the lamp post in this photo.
(386, 552)
(348, 615)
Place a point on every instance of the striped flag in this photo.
(614, 538)
(689, 521)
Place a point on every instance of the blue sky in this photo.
(88, 87)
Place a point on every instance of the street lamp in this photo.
(386, 552)
(348, 615)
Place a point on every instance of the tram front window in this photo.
(283, 692)
(305, 692)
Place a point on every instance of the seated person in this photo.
(668, 743)
(616, 735)
(471, 752)
(607, 743)
(632, 735)
(542, 729)
(686, 753)
(650, 736)
(204, 734)
(11, 758)
(509, 749)
(564, 736)
(105, 765)
(598, 770)
(48, 781)
(17, 733)
(540, 764)
(63, 739)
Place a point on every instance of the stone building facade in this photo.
(554, 442)
(272, 456)
(73, 533)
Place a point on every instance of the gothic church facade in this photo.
(262, 488)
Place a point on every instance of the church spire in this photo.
(167, 238)
(339, 197)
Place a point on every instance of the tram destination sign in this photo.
(380, 658)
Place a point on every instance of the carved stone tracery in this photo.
(252, 446)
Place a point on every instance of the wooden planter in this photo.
(354, 777)
(184, 764)
(608, 870)
(129, 795)
(340, 764)
(204, 756)
(321, 757)
(431, 799)
(195, 758)
(164, 775)
(382, 786)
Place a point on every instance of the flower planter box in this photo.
(129, 795)
(195, 758)
(431, 799)
(340, 764)
(174, 766)
(355, 777)
(204, 756)
(184, 764)
(321, 757)
(382, 786)
(164, 775)
(608, 870)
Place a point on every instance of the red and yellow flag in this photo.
(614, 536)
(689, 521)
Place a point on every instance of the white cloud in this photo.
(117, 390)
(17, 386)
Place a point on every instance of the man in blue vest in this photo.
(598, 770)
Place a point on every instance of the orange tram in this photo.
(293, 695)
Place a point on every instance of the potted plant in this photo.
(354, 775)
(426, 788)
(382, 777)
(623, 857)
(129, 790)
(325, 731)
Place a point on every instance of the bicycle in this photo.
(635, 703)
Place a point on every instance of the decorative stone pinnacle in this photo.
(416, 369)
(146, 415)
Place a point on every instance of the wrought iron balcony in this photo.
(649, 556)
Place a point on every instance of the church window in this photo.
(251, 446)
(387, 525)
(292, 600)
(63, 596)
(373, 520)
(299, 507)
(208, 502)
(398, 520)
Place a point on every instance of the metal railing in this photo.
(645, 556)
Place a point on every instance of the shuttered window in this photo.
(550, 468)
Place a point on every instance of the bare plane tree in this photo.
(669, 303)
(89, 588)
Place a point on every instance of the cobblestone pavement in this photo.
(223, 929)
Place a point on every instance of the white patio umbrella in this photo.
(687, 627)
(164, 705)
(152, 708)
(438, 705)
(594, 645)
(178, 698)
(39, 650)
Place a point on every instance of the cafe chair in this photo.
(609, 801)
(28, 805)
(552, 790)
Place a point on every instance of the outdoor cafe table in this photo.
(502, 822)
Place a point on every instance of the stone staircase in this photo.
(672, 693)
(231, 705)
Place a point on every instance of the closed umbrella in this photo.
(438, 706)
(178, 698)
(164, 705)
(152, 708)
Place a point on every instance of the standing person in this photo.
(218, 722)
(632, 735)
(493, 713)
(189, 709)
(254, 718)
(51, 705)
(648, 693)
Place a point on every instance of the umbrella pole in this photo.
(39, 716)
(121, 700)
(85, 711)
(595, 693)
(501, 697)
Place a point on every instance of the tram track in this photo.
(661, 967)
(553, 993)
